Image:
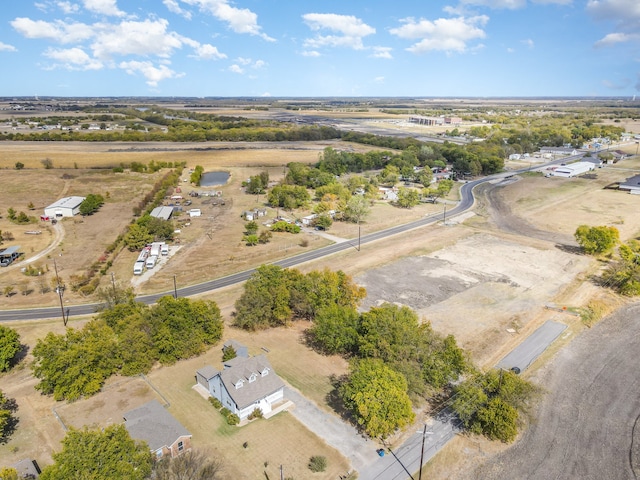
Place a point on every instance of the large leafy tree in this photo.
(265, 301)
(623, 274)
(78, 363)
(8, 421)
(182, 328)
(491, 403)
(377, 397)
(91, 204)
(9, 347)
(109, 454)
(335, 329)
(597, 240)
(137, 237)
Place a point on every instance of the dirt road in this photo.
(585, 424)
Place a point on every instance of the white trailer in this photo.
(155, 249)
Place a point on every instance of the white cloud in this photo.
(243, 61)
(259, 64)
(624, 13)
(382, 52)
(152, 73)
(208, 52)
(310, 53)
(378, 80)
(240, 20)
(236, 69)
(174, 7)
(73, 59)
(613, 38)
(5, 47)
(443, 34)
(351, 30)
(149, 37)
(68, 7)
(103, 7)
(57, 30)
(266, 94)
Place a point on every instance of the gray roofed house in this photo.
(152, 423)
(631, 184)
(244, 385)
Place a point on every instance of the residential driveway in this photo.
(337, 433)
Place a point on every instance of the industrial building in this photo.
(65, 207)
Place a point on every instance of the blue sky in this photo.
(287, 48)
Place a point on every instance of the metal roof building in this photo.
(65, 207)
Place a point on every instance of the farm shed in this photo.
(65, 207)
(243, 385)
(573, 169)
(152, 423)
(162, 212)
(9, 254)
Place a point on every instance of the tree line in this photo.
(128, 338)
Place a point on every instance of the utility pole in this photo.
(281, 473)
(444, 216)
(175, 288)
(60, 291)
(115, 294)
(358, 233)
(424, 434)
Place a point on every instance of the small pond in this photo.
(211, 179)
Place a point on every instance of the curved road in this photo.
(466, 202)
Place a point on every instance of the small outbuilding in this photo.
(162, 212)
(65, 207)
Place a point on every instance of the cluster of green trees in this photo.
(128, 338)
(20, 218)
(274, 296)
(252, 237)
(258, 184)
(91, 203)
(623, 271)
(196, 175)
(10, 347)
(491, 403)
(288, 196)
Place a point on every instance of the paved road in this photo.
(524, 354)
(466, 202)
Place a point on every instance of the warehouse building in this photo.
(65, 207)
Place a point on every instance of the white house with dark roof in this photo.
(153, 424)
(244, 385)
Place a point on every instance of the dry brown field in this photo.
(494, 279)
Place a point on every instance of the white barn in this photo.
(573, 169)
(65, 207)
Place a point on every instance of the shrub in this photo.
(225, 412)
(317, 464)
(215, 402)
(233, 419)
(257, 413)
